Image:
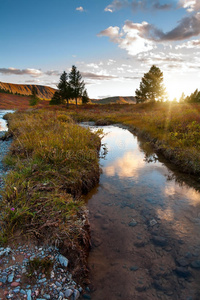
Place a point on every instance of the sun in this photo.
(173, 91)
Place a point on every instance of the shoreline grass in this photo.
(53, 162)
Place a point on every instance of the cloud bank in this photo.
(136, 5)
(94, 76)
(13, 71)
(141, 37)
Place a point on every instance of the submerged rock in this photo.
(195, 264)
(134, 268)
(159, 241)
(133, 223)
(153, 222)
(182, 262)
(182, 272)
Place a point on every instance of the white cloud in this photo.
(190, 5)
(93, 65)
(108, 9)
(111, 62)
(81, 9)
(189, 45)
(130, 38)
(112, 32)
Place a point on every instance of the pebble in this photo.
(86, 296)
(195, 264)
(159, 241)
(182, 262)
(63, 260)
(68, 293)
(182, 272)
(14, 284)
(152, 222)
(76, 295)
(133, 223)
(134, 268)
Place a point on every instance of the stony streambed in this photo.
(16, 281)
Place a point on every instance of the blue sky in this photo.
(112, 42)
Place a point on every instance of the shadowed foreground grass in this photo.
(53, 161)
(173, 129)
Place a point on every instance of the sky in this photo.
(111, 42)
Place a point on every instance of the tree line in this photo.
(70, 87)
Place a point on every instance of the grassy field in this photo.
(53, 162)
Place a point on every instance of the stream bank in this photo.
(43, 220)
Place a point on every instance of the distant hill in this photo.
(117, 99)
(44, 92)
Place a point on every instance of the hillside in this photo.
(117, 99)
(44, 92)
(9, 101)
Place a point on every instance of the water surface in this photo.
(4, 145)
(145, 225)
(3, 123)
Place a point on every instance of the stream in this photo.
(4, 145)
(145, 225)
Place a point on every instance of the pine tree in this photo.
(85, 98)
(62, 95)
(194, 97)
(64, 88)
(151, 86)
(76, 83)
(56, 99)
(34, 98)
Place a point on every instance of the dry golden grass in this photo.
(53, 162)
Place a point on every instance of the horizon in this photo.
(112, 43)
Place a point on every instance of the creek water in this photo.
(145, 224)
(3, 123)
(4, 145)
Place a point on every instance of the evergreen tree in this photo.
(34, 98)
(64, 88)
(76, 84)
(85, 98)
(62, 95)
(151, 86)
(56, 99)
(194, 97)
